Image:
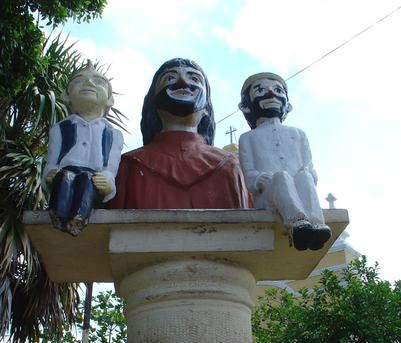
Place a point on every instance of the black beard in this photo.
(180, 108)
(271, 112)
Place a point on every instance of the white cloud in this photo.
(287, 34)
(141, 22)
(347, 103)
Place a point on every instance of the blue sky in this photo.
(347, 104)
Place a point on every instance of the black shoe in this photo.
(302, 234)
(321, 234)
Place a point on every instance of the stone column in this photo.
(189, 300)
(186, 275)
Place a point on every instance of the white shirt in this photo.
(87, 150)
(272, 147)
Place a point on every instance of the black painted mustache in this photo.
(268, 112)
(176, 86)
(180, 107)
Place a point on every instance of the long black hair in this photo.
(151, 123)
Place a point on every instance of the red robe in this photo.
(179, 170)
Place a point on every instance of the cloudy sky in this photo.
(347, 104)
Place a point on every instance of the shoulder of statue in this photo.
(107, 124)
(131, 154)
(300, 131)
(291, 128)
(222, 155)
(66, 119)
(248, 133)
(59, 124)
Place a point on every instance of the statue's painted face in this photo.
(268, 98)
(89, 87)
(181, 91)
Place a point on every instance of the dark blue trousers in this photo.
(73, 193)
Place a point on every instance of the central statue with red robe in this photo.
(178, 167)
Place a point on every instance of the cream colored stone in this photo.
(187, 275)
(191, 238)
(240, 234)
(193, 301)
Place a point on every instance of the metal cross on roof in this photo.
(230, 132)
(331, 199)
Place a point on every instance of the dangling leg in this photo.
(289, 205)
(84, 197)
(308, 195)
(62, 192)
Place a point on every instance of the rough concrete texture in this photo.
(189, 301)
(118, 242)
(187, 275)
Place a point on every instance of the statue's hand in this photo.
(263, 182)
(102, 183)
(50, 176)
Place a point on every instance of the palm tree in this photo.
(29, 300)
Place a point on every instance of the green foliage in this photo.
(69, 336)
(354, 307)
(33, 72)
(28, 298)
(21, 40)
(109, 323)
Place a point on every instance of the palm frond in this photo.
(28, 299)
(117, 118)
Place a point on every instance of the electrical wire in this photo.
(344, 43)
(328, 53)
(228, 115)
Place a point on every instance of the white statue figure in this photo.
(277, 162)
(84, 152)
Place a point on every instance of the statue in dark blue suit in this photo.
(84, 152)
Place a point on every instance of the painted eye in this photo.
(100, 81)
(278, 90)
(78, 79)
(170, 78)
(195, 79)
(260, 90)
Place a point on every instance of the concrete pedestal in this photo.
(187, 275)
(189, 301)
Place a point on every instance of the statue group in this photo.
(178, 167)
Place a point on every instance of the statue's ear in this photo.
(289, 107)
(109, 104)
(65, 97)
(244, 109)
(110, 101)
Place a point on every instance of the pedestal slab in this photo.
(187, 275)
(118, 242)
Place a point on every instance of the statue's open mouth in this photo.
(268, 103)
(182, 93)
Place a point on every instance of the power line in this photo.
(344, 43)
(328, 53)
(228, 115)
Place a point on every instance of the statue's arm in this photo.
(110, 171)
(53, 152)
(307, 157)
(251, 174)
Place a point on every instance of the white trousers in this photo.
(293, 197)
